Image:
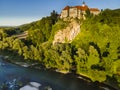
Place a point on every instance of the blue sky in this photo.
(17, 12)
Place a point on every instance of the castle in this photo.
(78, 11)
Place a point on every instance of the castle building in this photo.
(78, 11)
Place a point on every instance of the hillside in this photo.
(92, 51)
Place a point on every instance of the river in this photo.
(57, 81)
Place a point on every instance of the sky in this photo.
(18, 12)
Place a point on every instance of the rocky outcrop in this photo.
(68, 34)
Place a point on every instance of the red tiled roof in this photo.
(78, 7)
(66, 8)
(83, 8)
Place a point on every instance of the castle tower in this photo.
(83, 4)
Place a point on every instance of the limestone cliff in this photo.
(67, 34)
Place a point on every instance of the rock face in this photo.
(68, 34)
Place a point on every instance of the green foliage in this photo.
(26, 52)
(118, 79)
(88, 14)
(9, 31)
(42, 32)
(2, 34)
(36, 36)
(58, 57)
(39, 31)
(93, 57)
(81, 60)
(99, 43)
(116, 67)
(96, 75)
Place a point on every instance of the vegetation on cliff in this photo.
(95, 52)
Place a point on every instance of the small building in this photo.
(78, 11)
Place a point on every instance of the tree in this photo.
(81, 60)
(88, 14)
(36, 36)
(2, 34)
(54, 16)
(18, 45)
(26, 52)
(93, 57)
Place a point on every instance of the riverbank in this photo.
(102, 84)
(81, 76)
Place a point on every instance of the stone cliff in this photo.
(68, 34)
